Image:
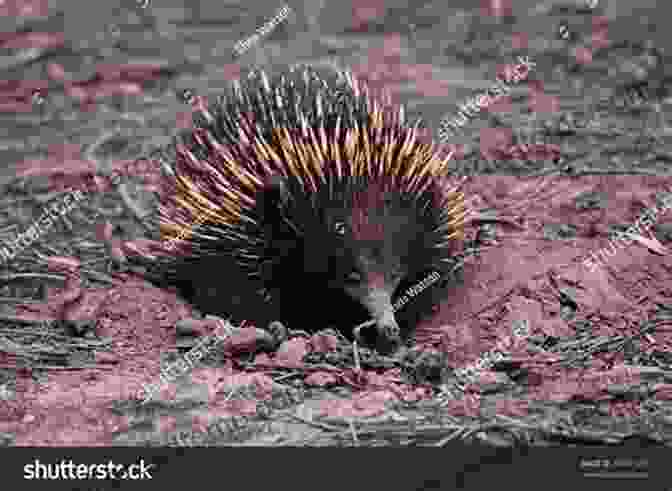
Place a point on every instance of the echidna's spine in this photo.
(317, 130)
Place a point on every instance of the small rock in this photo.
(278, 331)
(247, 340)
(591, 200)
(560, 231)
(6, 439)
(91, 376)
(79, 328)
(493, 387)
(189, 327)
(495, 438)
(324, 343)
(186, 343)
(663, 232)
(105, 357)
(627, 391)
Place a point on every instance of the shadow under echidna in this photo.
(303, 198)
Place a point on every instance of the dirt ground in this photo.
(580, 150)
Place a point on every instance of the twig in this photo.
(363, 325)
(355, 354)
(21, 320)
(42, 276)
(316, 424)
(88, 344)
(353, 432)
(100, 276)
(357, 336)
(286, 376)
(492, 218)
(515, 422)
(450, 437)
(95, 260)
(231, 393)
(20, 301)
(418, 432)
(83, 367)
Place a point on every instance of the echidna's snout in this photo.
(383, 332)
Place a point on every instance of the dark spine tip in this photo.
(274, 195)
(272, 199)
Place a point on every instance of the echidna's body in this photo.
(317, 206)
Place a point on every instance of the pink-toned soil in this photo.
(519, 277)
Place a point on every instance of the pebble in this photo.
(189, 327)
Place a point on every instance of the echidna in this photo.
(303, 198)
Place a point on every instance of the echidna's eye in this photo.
(353, 277)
